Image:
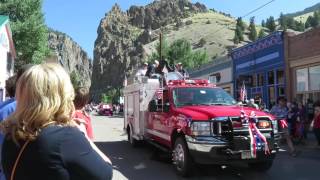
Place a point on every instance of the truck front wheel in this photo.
(261, 166)
(181, 158)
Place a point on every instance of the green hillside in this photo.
(216, 29)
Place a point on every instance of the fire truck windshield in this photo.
(201, 96)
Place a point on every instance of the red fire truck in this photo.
(198, 123)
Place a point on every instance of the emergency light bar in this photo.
(189, 82)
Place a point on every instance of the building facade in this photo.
(218, 72)
(7, 54)
(303, 65)
(260, 66)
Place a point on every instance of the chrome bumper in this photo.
(205, 144)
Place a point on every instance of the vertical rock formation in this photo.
(121, 36)
(71, 56)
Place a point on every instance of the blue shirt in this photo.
(6, 109)
(279, 112)
(6, 102)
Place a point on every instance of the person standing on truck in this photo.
(252, 104)
(143, 70)
(180, 69)
(163, 67)
(280, 111)
(152, 69)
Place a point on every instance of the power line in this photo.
(260, 7)
(257, 9)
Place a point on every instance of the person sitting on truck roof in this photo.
(143, 70)
(151, 69)
(181, 70)
(163, 66)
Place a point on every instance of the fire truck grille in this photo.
(232, 126)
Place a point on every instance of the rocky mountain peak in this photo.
(163, 12)
(121, 36)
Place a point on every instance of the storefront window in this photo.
(260, 79)
(281, 91)
(314, 73)
(272, 95)
(270, 77)
(254, 80)
(302, 79)
(215, 78)
(280, 76)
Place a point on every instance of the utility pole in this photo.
(160, 53)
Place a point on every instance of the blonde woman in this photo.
(42, 141)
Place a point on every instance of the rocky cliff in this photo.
(121, 37)
(72, 57)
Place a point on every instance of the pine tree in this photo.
(270, 24)
(30, 34)
(300, 26)
(283, 21)
(261, 33)
(308, 22)
(263, 23)
(291, 23)
(236, 39)
(252, 30)
(240, 24)
(315, 19)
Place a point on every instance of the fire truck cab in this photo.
(197, 122)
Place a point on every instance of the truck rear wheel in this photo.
(261, 166)
(181, 158)
(131, 140)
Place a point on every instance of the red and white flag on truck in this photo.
(159, 93)
(243, 92)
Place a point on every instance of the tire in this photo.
(131, 140)
(262, 166)
(182, 160)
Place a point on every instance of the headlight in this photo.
(200, 128)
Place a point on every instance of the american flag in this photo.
(159, 93)
(243, 92)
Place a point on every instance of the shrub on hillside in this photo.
(189, 22)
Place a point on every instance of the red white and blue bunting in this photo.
(257, 140)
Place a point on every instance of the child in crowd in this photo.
(80, 115)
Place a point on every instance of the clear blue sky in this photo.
(80, 18)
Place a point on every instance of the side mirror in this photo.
(153, 106)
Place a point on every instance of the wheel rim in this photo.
(179, 156)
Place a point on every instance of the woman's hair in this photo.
(44, 95)
(81, 97)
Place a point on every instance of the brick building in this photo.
(302, 61)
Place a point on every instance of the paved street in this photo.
(143, 163)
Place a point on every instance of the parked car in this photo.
(105, 110)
